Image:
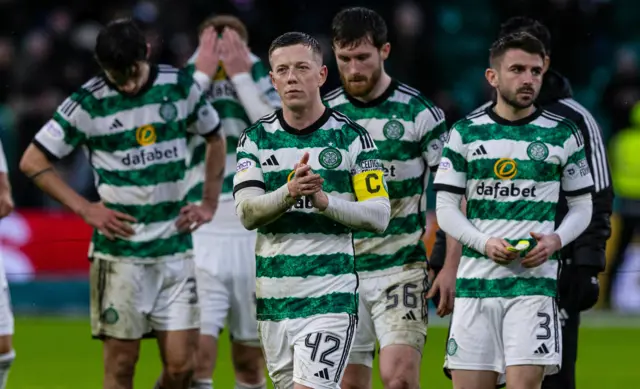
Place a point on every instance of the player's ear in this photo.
(547, 64)
(385, 50)
(492, 77)
(323, 75)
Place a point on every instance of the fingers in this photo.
(119, 228)
(183, 223)
(301, 170)
(536, 235)
(435, 287)
(124, 216)
(535, 259)
(106, 233)
(534, 252)
(305, 159)
(208, 38)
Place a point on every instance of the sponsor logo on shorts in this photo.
(110, 316)
(452, 346)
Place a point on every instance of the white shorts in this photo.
(312, 351)
(226, 274)
(493, 333)
(129, 300)
(6, 313)
(392, 310)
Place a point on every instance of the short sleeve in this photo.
(452, 170)
(248, 168)
(202, 118)
(431, 129)
(576, 174)
(66, 130)
(367, 174)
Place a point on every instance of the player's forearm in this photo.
(35, 165)
(250, 96)
(256, 208)
(455, 223)
(370, 215)
(454, 252)
(577, 219)
(214, 169)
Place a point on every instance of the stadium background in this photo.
(438, 46)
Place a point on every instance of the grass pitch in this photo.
(58, 353)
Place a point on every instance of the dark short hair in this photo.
(120, 44)
(296, 38)
(518, 40)
(353, 25)
(219, 22)
(532, 26)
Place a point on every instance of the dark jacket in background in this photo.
(586, 255)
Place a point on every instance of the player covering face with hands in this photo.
(241, 91)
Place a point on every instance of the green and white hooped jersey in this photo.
(511, 174)
(137, 147)
(409, 132)
(224, 99)
(304, 260)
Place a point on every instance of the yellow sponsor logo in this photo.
(146, 135)
(505, 168)
(369, 184)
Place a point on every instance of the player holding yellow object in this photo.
(306, 281)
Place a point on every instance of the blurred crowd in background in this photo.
(438, 46)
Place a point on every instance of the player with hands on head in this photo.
(237, 84)
(307, 283)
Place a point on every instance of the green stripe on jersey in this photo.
(483, 169)
(106, 122)
(505, 287)
(275, 309)
(323, 247)
(304, 265)
(176, 244)
(405, 256)
(521, 210)
(151, 175)
(514, 199)
(404, 126)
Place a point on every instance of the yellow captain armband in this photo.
(369, 184)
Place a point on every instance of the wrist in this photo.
(321, 201)
(81, 208)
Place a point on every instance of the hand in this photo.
(208, 56)
(110, 223)
(546, 246)
(496, 249)
(445, 283)
(234, 53)
(304, 182)
(6, 204)
(192, 216)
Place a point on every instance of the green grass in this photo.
(56, 353)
